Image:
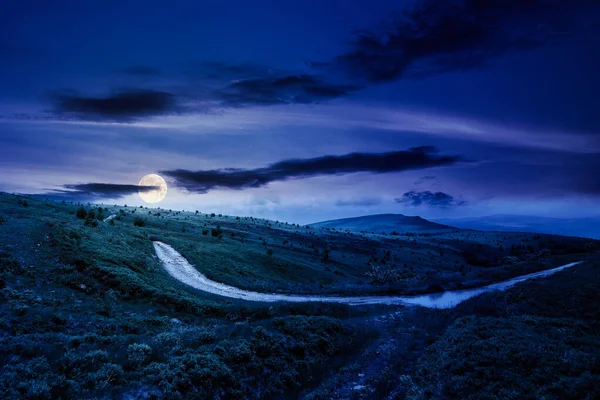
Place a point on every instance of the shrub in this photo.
(269, 252)
(9, 265)
(91, 222)
(139, 354)
(217, 232)
(81, 213)
(325, 257)
(381, 274)
(139, 222)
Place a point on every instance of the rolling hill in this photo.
(581, 227)
(87, 310)
(384, 223)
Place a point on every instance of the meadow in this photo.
(88, 312)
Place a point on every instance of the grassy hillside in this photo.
(86, 311)
(272, 256)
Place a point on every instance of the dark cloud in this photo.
(415, 158)
(433, 37)
(438, 36)
(427, 198)
(141, 70)
(124, 105)
(95, 191)
(287, 89)
(130, 105)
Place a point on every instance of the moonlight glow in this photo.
(154, 195)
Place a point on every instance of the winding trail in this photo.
(179, 268)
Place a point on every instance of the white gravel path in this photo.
(179, 268)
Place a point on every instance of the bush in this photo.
(139, 222)
(9, 265)
(217, 232)
(139, 354)
(81, 213)
(91, 222)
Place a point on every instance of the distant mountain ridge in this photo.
(582, 227)
(384, 223)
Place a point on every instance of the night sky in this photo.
(306, 110)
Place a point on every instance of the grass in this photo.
(86, 310)
(535, 341)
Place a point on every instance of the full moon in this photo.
(154, 195)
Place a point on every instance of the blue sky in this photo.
(306, 110)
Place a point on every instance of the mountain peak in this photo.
(384, 223)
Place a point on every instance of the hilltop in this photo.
(384, 223)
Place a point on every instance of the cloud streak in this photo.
(95, 191)
(288, 89)
(121, 106)
(377, 163)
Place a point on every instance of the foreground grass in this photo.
(531, 342)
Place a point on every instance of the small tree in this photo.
(81, 213)
(91, 222)
(139, 222)
(325, 257)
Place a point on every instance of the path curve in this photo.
(179, 268)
